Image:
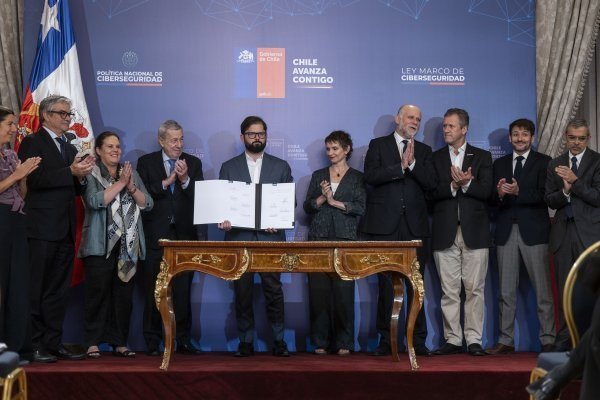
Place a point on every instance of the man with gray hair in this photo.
(169, 175)
(573, 190)
(50, 224)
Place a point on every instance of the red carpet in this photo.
(302, 376)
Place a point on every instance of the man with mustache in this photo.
(399, 170)
(461, 233)
(256, 166)
(573, 190)
(522, 231)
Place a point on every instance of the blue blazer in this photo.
(273, 170)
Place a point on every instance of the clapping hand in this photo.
(26, 167)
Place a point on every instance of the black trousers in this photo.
(180, 287)
(108, 301)
(564, 257)
(386, 291)
(331, 311)
(15, 310)
(244, 311)
(51, 267)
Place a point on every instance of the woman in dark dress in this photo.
(15, 311)
(335, 199)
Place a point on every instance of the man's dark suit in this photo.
(527, 213)
(273, 170)
(474, 219)
(568, 238)
(170, 218)
(50, 223)
(397, 210)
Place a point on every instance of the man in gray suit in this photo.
(256, 166)
(573, 190)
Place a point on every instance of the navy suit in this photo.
(50, 224)
(273, 170)
(170, 218)
(397, 210)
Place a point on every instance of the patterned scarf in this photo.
(121, 225)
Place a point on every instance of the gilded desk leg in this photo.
(396, 279)
(416, 281)
(164, 303)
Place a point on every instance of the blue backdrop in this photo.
(307, 67)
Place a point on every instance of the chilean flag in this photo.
(56, 71)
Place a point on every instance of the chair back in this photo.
(578, 300)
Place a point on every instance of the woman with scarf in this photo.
(112, 241)
(335, 199)
(15, 311)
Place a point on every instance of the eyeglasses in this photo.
(580, 139)
(63, 114)
(254, 135)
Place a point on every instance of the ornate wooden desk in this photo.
(350, 260)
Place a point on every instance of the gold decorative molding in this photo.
(289, 261)
(417, 279)
(161, 281)
(212, 259)
(374, 259)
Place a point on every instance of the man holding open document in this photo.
(257, 167)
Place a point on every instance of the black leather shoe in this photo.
(65, 354)
(244, 350)
(42, 356)
(475, 349)
(448, 348)
(187, 348)
(422, 350)
(382, 350)
(280, 349)
(154, 352)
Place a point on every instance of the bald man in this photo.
(399, 170)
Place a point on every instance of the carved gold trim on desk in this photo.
(374, 259)
(161, 281)
(212, 259)
(417, 279)
(290, 261)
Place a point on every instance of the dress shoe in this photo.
(280, 349)
(154, 352)
(244, 350)
(475, 349)
(547, 348)
(65, 354)
(43, 357)
(448, 348)
(501, 348)
(187, 348)
(381, 350)
(422, 350)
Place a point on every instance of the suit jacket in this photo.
(585, 199)
(93, 233)
(528, 209)
(351, 191)
(273, 170)
(51, 189)
(178, 205)
(396, 192)
(473, 205)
